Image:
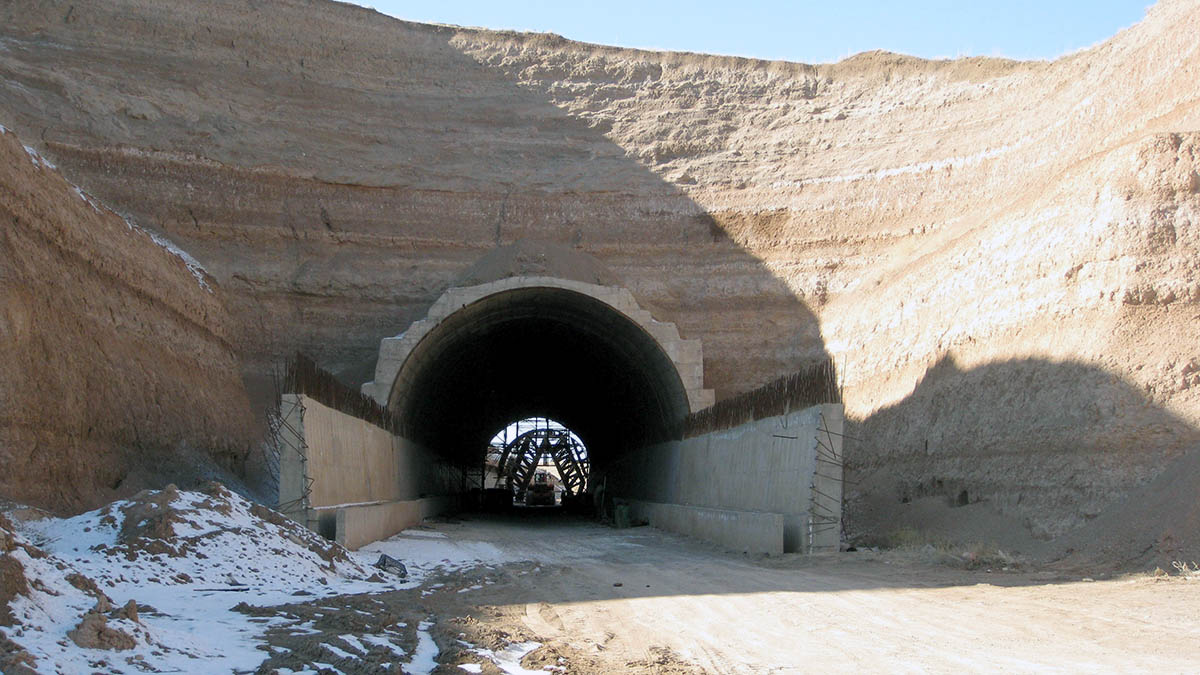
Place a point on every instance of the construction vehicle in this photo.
(540, 492)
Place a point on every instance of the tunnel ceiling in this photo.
(544, 352)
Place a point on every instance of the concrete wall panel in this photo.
(351, 480)
(357, 526)
(789, 466)
(750, 531)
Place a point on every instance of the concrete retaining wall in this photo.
(750, 531)
(769, 486)
(359, 525)
(353, 481)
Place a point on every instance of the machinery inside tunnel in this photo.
(541, 454)
(537, 351)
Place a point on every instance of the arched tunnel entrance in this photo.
(537, 351)
(589, 358)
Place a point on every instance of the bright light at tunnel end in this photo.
(508, 433)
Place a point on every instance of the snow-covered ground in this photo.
(186, 560)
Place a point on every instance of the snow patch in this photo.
(38, 161)
(87, 199)
(192, 264)
(201, 275)
(424, 552)
(380, 641)
(189, 558)
(186, 559)
(430, 534)
(508, 659)
(424, 660)
(354, 643)
(339, 652)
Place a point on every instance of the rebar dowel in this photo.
(303, 376)
(814, 489)
(812, 386)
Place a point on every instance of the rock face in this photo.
(115, 364)
(1002, 256)
(336, 170)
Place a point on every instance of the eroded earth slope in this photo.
(1002, 256)
(116, 369)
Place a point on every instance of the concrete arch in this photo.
(634, 360)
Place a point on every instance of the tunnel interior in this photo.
(537, 352)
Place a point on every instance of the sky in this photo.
(808, 32)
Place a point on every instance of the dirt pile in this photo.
(1156, 525)
(209, 535)
(121, 588)
(42, 597)
(115, 367)
(93, 632)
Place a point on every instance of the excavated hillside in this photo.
(1004, 257)
(116, 371)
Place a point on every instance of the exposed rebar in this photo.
(804, 388)
(303, 376)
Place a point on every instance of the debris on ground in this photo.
(392, 566)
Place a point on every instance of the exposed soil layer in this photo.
(116, 368)
(1003, 257)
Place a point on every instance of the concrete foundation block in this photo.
(746, 531)
(359, 525)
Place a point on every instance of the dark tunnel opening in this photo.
(538, 352)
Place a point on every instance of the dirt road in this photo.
(642, 600)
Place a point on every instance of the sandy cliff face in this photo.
(336, 170)
(1001, 255)
(115, 366)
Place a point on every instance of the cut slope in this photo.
(115, 368)
(1047, 362)
(1032, 224)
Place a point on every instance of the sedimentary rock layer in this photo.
(116, 368)
(1000, 255)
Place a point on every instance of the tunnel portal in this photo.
(579, 353)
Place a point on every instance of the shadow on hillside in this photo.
(352, 186)
(402, 161)
(1048, 448)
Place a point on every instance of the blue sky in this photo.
(810, 32)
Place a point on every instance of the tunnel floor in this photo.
(590, 598)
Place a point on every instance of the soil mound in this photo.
(124, 585)
(1155, 526)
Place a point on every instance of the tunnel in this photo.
(537, 352)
